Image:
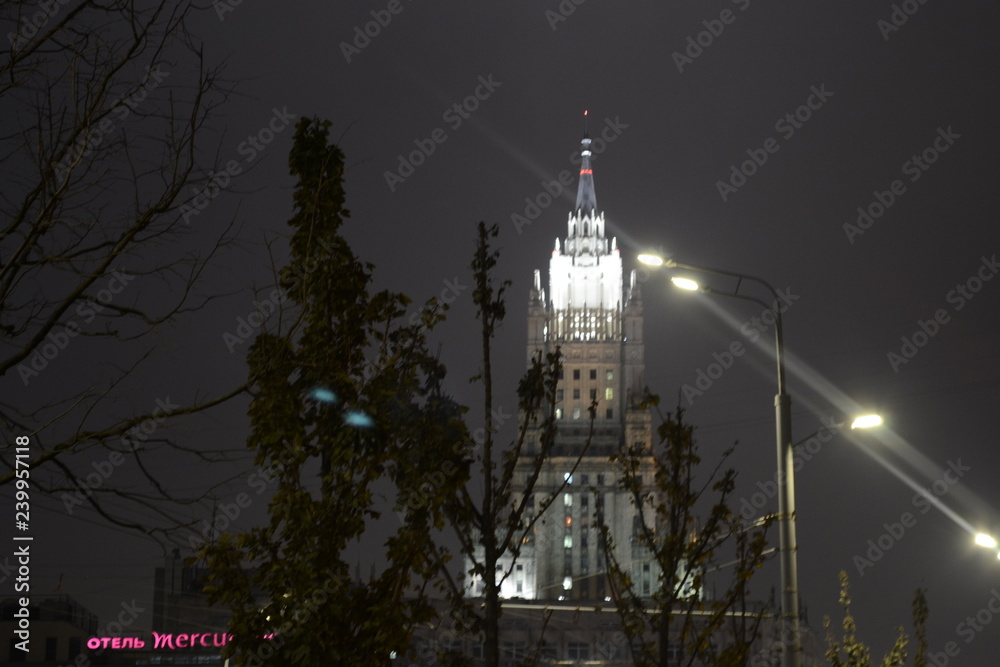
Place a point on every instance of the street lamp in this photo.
(786, 452)
(984, 540)
(866, 421)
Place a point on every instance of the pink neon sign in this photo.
(166, 641)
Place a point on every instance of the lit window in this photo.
(568, 477)
(558, 413)
(576, 413)
(569, 521)
(568, 542)
(567, 583)
(568, 499)
(609, 394)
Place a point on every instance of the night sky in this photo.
(829, 107)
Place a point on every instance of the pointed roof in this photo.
(586, 197)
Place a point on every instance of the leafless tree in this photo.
(106, 105)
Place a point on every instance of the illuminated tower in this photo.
(597, 325)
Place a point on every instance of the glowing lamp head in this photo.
(984, 540)
(650, 259)
(686, 283)
(867, 421)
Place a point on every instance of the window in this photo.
(568, 499)
(593, 373)
(558, 413)
(609, 375)
(567, 583)
(593, 394)
(568, 542)
(50, 648)
(609, 394)
(600, 479)
(513, 651)
(675, 652)
(559, 394)
(576, 413)
(560, 374)
(610, 650)
(576, 373)
(576, 393)
(578, 651)
(585, 479)
(608, 414)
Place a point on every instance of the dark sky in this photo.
(879, 97)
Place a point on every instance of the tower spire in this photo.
(586, 197)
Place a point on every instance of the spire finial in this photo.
(586, 200)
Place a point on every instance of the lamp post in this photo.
(788, 546)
